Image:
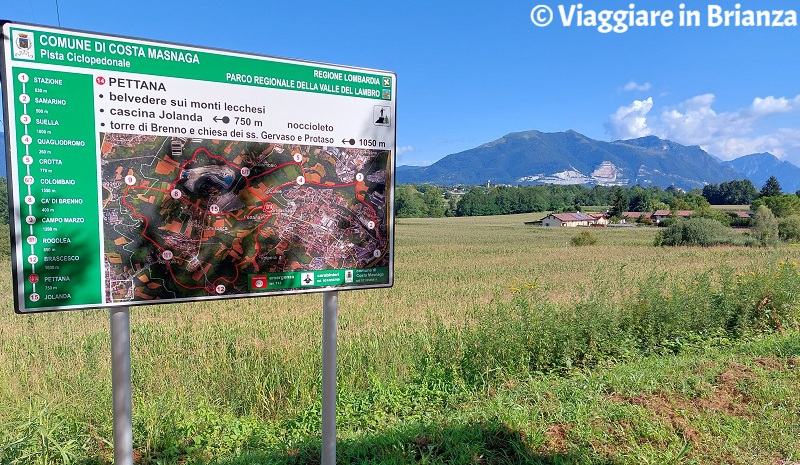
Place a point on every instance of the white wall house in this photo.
(569, 220)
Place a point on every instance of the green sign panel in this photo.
(143, 172)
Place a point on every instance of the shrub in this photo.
(5, 241)
(737, 222)
(765, 226)
(789, 228)
(584, 238)
(667, 222)
(698, 231)
(713, 214)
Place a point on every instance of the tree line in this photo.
(425, 200)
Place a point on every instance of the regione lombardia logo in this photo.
(23, 45)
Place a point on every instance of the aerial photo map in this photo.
(186, 218)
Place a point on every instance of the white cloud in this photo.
(727, 134)
(403, 149)
(767, 105)
(632, 85)
(631, 121)
(695, 122)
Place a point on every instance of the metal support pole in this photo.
(330, 308)
(121, 385)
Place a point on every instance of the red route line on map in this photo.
(249, 188)
(374, 213)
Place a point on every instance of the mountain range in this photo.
(534, 157)
(758, 167)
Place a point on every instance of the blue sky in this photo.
(472, 71)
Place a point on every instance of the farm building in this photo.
(572, 220)
(659, 215)
(600, 219)
(635, 216)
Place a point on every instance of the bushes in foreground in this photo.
(527, 336)
(584, 238)
(703, 232)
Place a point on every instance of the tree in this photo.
(434, 203)
(713, 214)
(619, 201)
(409, 203)
(505, 199)
(771, 188)
(780, 205)
(741, 192)
(712, 193)
(789, 228)
(640, 200)
(475, 203)
(731, 193)
(765, 225)
(679, 204)
(691, 201)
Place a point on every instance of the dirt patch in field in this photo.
(727, 398)
(556, 437)
(769, 363)
(778, 461)
(668, 409)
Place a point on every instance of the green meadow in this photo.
(499, 343)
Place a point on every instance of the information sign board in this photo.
(147, 172)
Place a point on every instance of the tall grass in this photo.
(477, 302)
(527, 336)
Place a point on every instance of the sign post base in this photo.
(121, 385)
(330, 308)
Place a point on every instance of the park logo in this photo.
(23, 45)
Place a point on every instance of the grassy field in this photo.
(499, 343)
